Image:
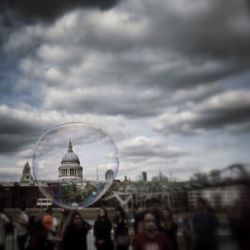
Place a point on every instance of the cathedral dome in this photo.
(70, 156)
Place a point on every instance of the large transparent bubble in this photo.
(75, 164)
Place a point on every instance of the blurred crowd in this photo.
(153, 229)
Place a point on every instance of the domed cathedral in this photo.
(70, 168)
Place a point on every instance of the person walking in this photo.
(22, 228)
(39, 232)
(75, 235)
(121, 229)
(4, 221)
(102, 231)
(151, 237)
(205, 225)
(169, 227)
(61, 228)
(137, 220)
(49, 211)
(187, 230)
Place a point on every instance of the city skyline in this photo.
(168, 80)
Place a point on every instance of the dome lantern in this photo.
(70, 146)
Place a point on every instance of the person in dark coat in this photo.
(39, 232)
(61, 228)
(75, 235)
(102, 231)
(121, 229)
(239, 221)
(137, 220)
(169, 227)
(205, 225)
(4, 222)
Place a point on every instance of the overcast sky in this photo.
(168, 79)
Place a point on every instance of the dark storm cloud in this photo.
(219, 118)
(193, 49)
(132, 107)
(145, 152)
(6, 83)
(207, 45)
(16, 132)
(11, 143)
(15, 175)
(229, 111)
(48, 10)
(178, 79)
(212, 35)
(146, 148)
(102, 100)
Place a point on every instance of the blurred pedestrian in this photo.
(39, 234)
(137, 220)
(50, 212)
(187, 230)
(22, 227)
(151, 237)
(239, 220)
(204, 225)
(121, 229)
(169, 227)
(4, 221)
(61, 228)
(102, 231)
(156, 209)
(75, 235)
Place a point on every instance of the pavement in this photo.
(225, 243)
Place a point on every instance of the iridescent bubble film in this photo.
(74, 164)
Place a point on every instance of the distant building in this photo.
(144, 176)
(218, 196)
(70, 168)
(13, 193)
(26, 176)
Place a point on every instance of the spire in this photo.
(70, 146)
(27, 165)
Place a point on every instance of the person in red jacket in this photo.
(151, 238)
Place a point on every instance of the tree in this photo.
(201, 178)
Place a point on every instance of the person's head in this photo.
(150, 223)
(76, 219)
(119, 212)
(103, 214)
(49, 211)
(47, 222)
(155, 204)
(201, 203)
(167, 213)
(135, 208)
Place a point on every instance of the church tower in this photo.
(70, 168)
(26, 176)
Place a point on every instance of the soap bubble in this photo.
(74, 164)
